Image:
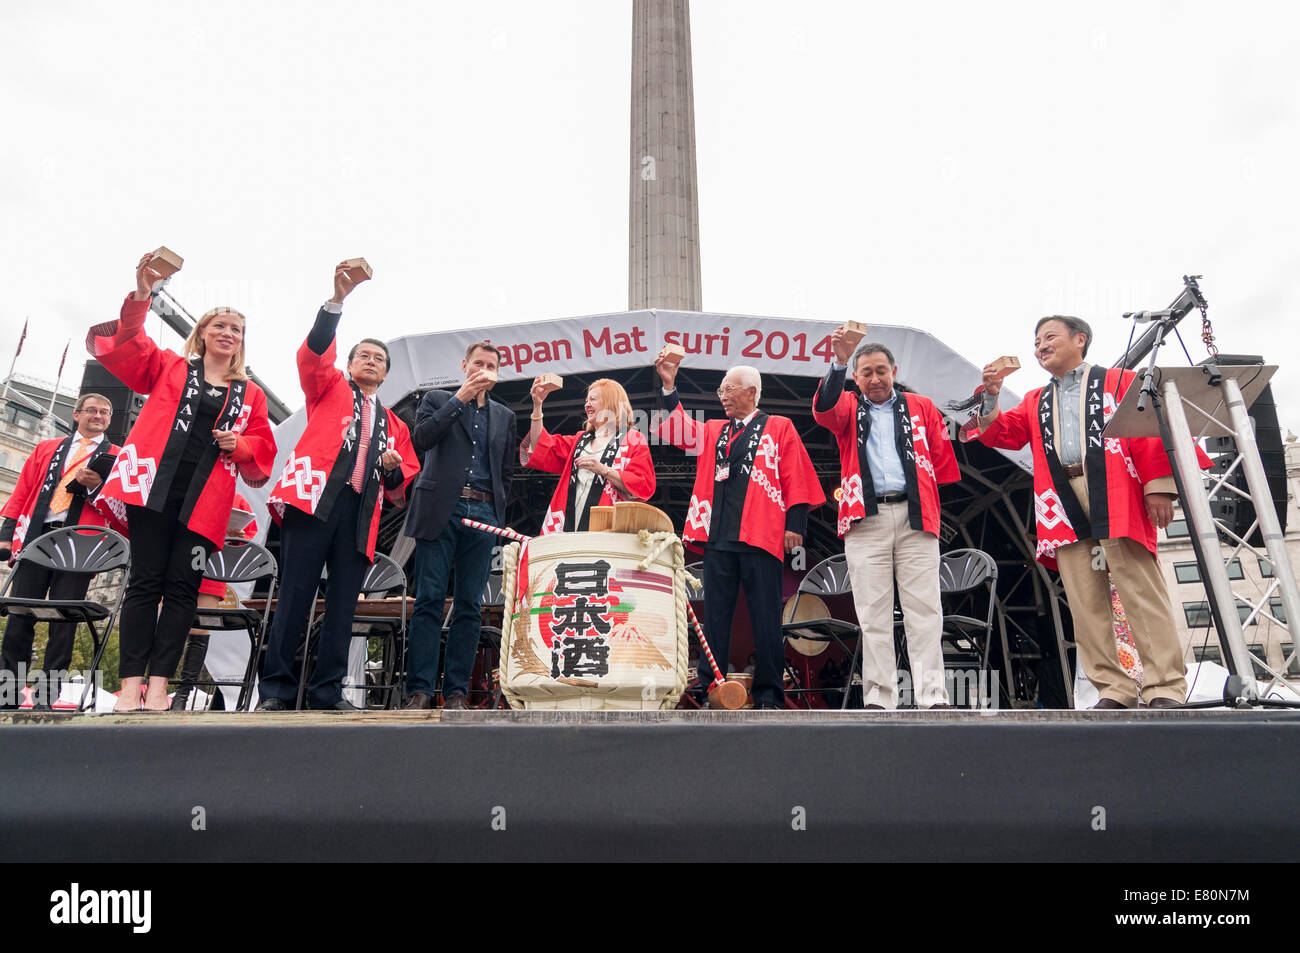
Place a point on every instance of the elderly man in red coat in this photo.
(1099, 501)
(56, 482)
(754, 484)
(353, 453)
(894, 453)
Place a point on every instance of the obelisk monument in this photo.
(664, 215)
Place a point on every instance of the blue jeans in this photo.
(470, 551)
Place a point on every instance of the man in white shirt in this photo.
(42, 502)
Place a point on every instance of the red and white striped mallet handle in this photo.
(496, 530)
(730, 695)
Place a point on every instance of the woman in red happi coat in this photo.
(172, 487)
(606, 462)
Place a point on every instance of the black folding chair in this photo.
(828, 578)
(961, 573)
(76, 549)
(239, 561)
(383, 576)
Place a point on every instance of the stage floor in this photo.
(646, 786)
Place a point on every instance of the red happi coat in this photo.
(783, 477)
(211, 587)
(934, 462)
(132, 357)
(31, 493)
(554, 454)
(314, 474)
(1116, 502)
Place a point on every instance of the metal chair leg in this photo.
(848, 681)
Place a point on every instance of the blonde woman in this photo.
(173, 485)
(606, 462)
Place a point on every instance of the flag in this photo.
(63, 360)
(21, 339)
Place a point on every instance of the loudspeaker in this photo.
(127, 404)
(1236, 512)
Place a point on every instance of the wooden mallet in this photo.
(730, 695)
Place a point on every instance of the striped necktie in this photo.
(61, 499)
(363, 449)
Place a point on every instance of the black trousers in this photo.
(36, 582)
(167, 562)
(308, 545)
(726, 571)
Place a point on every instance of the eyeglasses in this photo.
(726, 389)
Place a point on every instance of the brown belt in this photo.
(1074, 471)
(469, 494)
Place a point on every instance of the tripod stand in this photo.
(1219, 401)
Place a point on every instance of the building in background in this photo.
(23, 423)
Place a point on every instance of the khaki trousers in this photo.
(1141, 586)
(879, 549)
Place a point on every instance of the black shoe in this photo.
(273, 704)
(1163, 702)
(1109, 704)
(341, 705)
(455, 702)
(768, 706)
(180, 699)
(420, 701)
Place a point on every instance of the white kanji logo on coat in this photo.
(768, 448)
(20, 528)
(241, 422)
(918, 431)
(298, 476)
(1048, 509)
(699, 514)
(554, 522)
(136, 473)
(771, 489)
(851, 492)
(1114, 445)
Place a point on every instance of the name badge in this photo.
(722, 472)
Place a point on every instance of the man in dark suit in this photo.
(469, 445)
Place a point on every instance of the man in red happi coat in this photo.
(894, 453)
(753, 486)
(56, 482)
(1098, 501)
(352, 454)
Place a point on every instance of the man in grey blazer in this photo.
(469, 446)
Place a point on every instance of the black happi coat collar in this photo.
(1094, 455)
(341, 472)
(579, 519)
(187, 411)
(53, 476)
(906, 453)
(729, 494)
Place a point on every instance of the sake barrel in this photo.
(594, 621)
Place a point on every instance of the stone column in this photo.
(664, 219)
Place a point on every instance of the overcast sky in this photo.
(962, 168)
